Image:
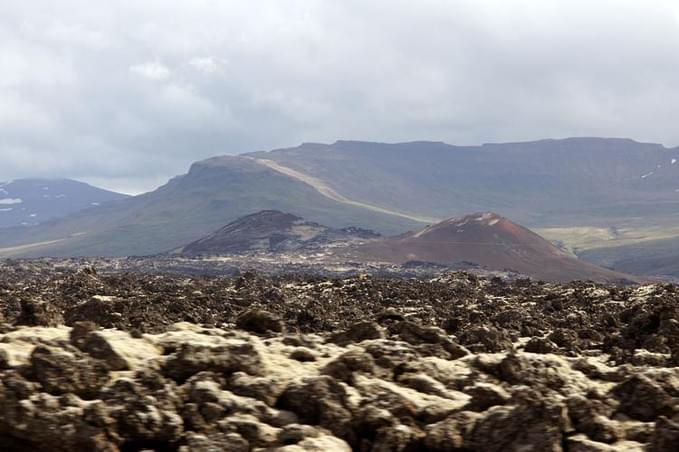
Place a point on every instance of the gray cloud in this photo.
(127, 94)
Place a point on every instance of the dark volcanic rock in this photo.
(319, 401)
(191, 359)
(540, 345)
(60, 372)
(534, 424)
(644, 399)
(39, 313)
(366, 364)
(343, 367)
(486, 339)
(666, 435)
(451, 434)
(357, 333)
(259, 321)
(484, 396)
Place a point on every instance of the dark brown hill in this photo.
(272, 230)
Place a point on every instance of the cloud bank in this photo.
(128, 94)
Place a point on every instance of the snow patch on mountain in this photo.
(10, 201)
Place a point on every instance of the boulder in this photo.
(540, 345)
(226, 359)
(40, 313)
(60, 372)
(452, 433)
(303, 354)
(343, 367)
(357, 333)
(643, 399)
(142, 413)
(259, 321)
(532, 424)
(665, 437)
(266, 388)
(319, 401)
(486, 339)
(485, 395)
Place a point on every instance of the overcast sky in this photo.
(126, 94)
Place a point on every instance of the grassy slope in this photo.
(191, 206)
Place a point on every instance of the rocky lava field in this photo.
(129, 361)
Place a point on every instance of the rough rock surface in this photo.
(457, 363)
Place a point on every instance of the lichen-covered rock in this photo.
(191, 359)
(531, 424)
(563, 337)
(357, 333)
(321, 443)
(205, 401)
(415, 333)
(257, 433)
(44, 422)
(259, 321)
(391, 354)
(485, 395)
(80, 331)
(96, 345)
(451, 434)
(398, 438)
(591, 416)
(486, 339)
(102, 311)
(580, 443)
(61, 372)
(4, 359)
(596, 375)
(643, 399)
(214, 441)
(295, 433)
(142, 413)
(266, 389)
(424, 384)
(319, 401)
(540, 345)
(343, 367)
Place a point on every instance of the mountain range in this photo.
(588, 194)
(32, 201)
(549, 182)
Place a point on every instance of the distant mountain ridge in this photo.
(32, 201)
(545, 182)
(389, 188)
